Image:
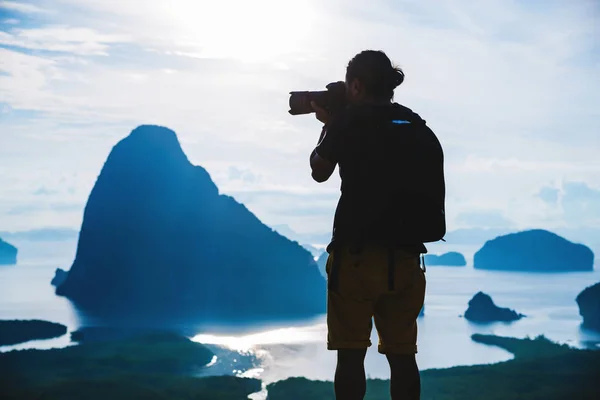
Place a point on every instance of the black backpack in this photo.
(401, 183)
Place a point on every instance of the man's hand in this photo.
(321, 114)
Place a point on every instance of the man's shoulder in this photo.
(407, 113)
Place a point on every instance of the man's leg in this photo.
(349, 323)
(405, 382)
(350, 380)
(396, 314)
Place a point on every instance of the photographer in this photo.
(385, 152)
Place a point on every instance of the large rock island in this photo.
(452, 259)
(8, 253)
(535, 250)
(589, 306)
(157, 237)
(482, 309)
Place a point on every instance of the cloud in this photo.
(577, 203)
(31, 208)
(581, 203)
(488, 77)
(25, 8)
(245, 175)
(483, 219)
(11, 21)
(549, 195)
(44, 191)
(80, 41)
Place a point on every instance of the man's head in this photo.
(371, 77)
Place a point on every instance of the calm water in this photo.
(276, 352)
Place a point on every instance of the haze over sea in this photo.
(280, 350)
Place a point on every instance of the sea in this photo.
(277, 351)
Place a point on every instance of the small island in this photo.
(534, 250)
(451, 259)
(589, 306)
(482, 309)
(20, 331)
(8, 253)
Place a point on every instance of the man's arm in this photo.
(324, 157)
(321, 167)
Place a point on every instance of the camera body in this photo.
(332, 100)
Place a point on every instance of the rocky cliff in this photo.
(158, 235)
(482, 309)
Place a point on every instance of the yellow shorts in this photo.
(359, 291)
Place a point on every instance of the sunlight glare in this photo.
(278, 336)
(259, 30)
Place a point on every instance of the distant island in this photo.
(589, 306)
(8, 253)
(482, 309)
(20, 331)
(452, 258)
(158, 238)
(535, 251)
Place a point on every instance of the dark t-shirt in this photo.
(355, 141)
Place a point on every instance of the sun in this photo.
(247, 30)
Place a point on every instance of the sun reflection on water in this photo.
(249, 343)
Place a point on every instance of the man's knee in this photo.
(402, 362)
(351, 356)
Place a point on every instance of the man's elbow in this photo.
(319, 177)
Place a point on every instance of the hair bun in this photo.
(396, 77)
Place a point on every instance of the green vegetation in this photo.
(162, 365)
(541, 370)
(19, 331)
(154, 366)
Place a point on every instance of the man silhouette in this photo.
(373, 267)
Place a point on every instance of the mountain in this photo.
(589, 306)
(157, 237)
(534, 250)
(309, 238)
(451, 258)
(8, 253)
(322, 262)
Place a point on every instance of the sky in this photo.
(511, 88)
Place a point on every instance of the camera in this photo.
(332, 100)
